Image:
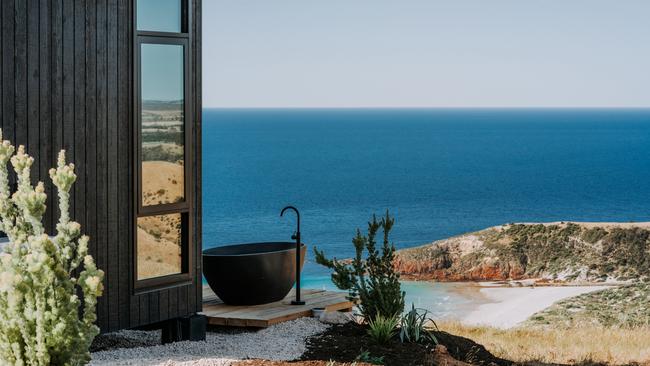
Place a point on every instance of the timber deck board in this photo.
(262, 316)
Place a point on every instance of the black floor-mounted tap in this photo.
(296, 237)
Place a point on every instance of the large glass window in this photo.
(163, 129)
(160, 15)
(163, 121)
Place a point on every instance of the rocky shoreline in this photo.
(548, 254)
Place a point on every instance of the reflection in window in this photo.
(163, 178)
(159, 246)
(159, 15)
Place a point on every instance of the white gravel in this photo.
(282, 342)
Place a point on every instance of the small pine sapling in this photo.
(371, 279)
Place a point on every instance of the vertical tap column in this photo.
(296, 236)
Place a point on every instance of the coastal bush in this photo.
(382, 329)
(366, 357)
(413, 326)
(43, 321)
(160, 152)
(373, 279)
(593, 235)
(165, 136)
(617, 307)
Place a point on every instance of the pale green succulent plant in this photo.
(43, 321)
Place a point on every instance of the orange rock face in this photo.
(427, 270)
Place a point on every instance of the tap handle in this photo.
(294, 236)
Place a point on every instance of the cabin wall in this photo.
(66, 82)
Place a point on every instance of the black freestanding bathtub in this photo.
(252, 274)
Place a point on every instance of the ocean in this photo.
(440, 172)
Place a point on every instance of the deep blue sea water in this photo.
(439, 172)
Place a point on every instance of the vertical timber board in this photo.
(20, 69)
(154, 307)
(173, 302)
(68, 84)
(79, 212)
(91, 203)
(128, 306)
(45, 97)
(182, 300)
(144, 308)
(101, 234)
(8, 82)
(113, 266)
(57, 78)
(125, 168)
(163, 304)
(32, 126)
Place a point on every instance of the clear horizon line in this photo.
(439, 107)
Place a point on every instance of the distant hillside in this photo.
(162, 105)
(556, 251)
(621, 306)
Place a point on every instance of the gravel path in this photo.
(285, 341)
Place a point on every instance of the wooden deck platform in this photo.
(262, 316)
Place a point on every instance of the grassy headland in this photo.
(566, 252)
(621, 307)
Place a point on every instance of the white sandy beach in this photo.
(510, 306)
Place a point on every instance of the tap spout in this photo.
(297, 217)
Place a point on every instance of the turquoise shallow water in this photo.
(440, 172)
(443, 300)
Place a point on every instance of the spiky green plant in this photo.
(42, 319)
(382, 329)
(416, 326)
(373, 279)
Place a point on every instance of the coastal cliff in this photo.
(566, 252)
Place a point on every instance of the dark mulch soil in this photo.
(466, 350)
(344, 343)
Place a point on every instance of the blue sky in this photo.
(426, 53)
(162, 72)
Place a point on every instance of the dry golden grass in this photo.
(159, 246)
(614, 346)
(162, 182)
(157, 256)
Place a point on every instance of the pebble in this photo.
(336, 317)
(281, 342)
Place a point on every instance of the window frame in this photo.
(186, 207)
(187, 131)
(185, 22)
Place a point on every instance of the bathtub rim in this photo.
(206, 253)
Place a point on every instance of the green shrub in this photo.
(366, 357)
(160, 152)
(413, 326)
(373, 279)
(382, 329)
(593, 235)
(43, 320)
